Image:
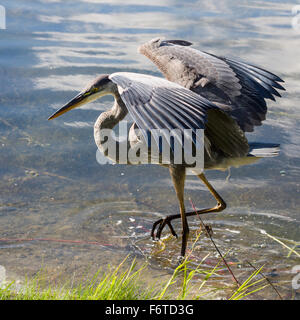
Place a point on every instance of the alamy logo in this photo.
(296, 18)
(2, 18)
(296, 278)
(2, 275)
(156, 146)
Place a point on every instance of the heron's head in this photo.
(99, 87)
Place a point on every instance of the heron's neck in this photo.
(108, 120)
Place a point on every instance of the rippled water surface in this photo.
(51, 185)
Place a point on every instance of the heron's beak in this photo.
(80, 99)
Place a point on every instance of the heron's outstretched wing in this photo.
(239, 89)
(155, 103)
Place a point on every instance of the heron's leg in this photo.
(220, 206)
(178, 177)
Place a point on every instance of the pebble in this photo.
(260, 246)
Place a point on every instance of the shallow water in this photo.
(51, 185)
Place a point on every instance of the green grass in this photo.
(115, 284)
(125, 283)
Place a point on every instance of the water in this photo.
(51, 185)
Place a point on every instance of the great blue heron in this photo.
(224, 96)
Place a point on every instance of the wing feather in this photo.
(239, 88)
(176, 108)
(155, 103)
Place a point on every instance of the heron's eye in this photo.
(91, 91)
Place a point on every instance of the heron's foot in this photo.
(160, 224)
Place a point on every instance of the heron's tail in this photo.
(263, 150)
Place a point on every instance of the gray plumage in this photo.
(155, 103)
(238, 88)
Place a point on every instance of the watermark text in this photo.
(156, 146)
(296, 19)
(2, 17)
